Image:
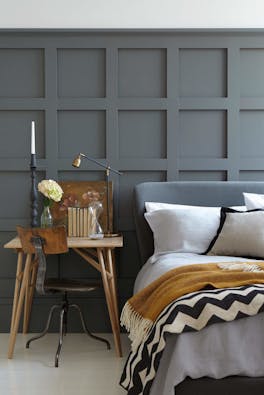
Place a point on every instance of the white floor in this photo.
(86, 367)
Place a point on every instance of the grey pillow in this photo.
(239, 234)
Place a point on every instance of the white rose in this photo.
(51, 189)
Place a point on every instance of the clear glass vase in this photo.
(95, 230)
(46, 220)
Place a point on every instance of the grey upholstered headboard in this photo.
(206, 193)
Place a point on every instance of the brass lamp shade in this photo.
(77, 161)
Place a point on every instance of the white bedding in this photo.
(160, 263)
(217, 351)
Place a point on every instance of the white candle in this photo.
(33, 146)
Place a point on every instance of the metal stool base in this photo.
(64, 309)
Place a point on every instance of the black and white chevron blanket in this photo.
(191, 312)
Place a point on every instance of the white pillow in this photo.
(185, 229)
(253, 200)
(239, 234)
(152, 206)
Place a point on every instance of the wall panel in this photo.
(28, 80)
(157, 105)
(203, 72)
(81, 72)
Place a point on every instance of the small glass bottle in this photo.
(46, 220)
(95, 230)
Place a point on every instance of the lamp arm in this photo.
(100, 164)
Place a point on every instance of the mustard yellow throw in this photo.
(141, 311)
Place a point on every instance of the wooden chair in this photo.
(41, 242)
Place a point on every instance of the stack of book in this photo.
(78, 222)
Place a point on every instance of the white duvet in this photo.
(217, 351)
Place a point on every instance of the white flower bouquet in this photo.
(51, 191)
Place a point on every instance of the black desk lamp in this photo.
(76, 163)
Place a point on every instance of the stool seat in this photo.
(68, 285)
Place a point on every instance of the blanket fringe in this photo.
(245, 267)
(137, 326)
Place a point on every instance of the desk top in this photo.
(79, 242)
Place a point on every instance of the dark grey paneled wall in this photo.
(158, 105)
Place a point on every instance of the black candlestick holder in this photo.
(34, 192)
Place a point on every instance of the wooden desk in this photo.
(97, 253)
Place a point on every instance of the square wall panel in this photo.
(252, 134)
(15, 129)
(142, 72)
(142, 134)
(81, 73)
(127, 183)
(16, 194)
(21, 73)
(251, 72)
(81, 131)
(203, 134)
(251, 175)
(202, 176)
(203, 72)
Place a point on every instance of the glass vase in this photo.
(46, 220)
(95, 230)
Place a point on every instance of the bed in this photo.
(236, 335)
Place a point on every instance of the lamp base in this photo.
(109, 234)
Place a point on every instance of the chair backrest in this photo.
(41, 241)
(54, 240)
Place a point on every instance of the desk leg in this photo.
(113, 290)
(110, 304)
(112, 282)
(17, 286)
(26, 302)
(29, 295)
(17, 314)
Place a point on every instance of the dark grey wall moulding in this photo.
(157, 104)
(134, 30)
